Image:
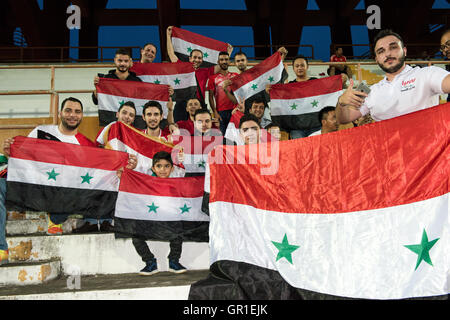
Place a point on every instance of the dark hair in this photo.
(324, 112)
(248, 117)
(127, 104)
(150, 44)
(240, 53)
(300, 56)
(271, 125)
(152, 103)
(192, 51)
(124, 51)
(161, 155)
(385, 33)
(73, 100)
(202, 111)
(224, 53)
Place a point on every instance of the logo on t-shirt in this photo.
(408, 85)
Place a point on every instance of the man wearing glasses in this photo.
(445, 49)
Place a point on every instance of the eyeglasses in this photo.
(445, 46)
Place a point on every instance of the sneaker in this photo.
(106, 226)
(150, 268)
(86, 228)
(4, 257)
(54, 229)
(176, 267)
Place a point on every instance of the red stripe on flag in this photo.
(133, 89)
(197, 144)
(198, 39)
(384, 164)
(311, 88)
(67, 154)
(139, 183)
(253, 73)
(162, 68)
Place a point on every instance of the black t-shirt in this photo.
(295, 80)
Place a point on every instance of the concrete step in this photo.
(28, 273)
(38, 225)
(131, 286)
(27, 215)
(100, 253)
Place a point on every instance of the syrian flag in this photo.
(296, 105)
(113, 93)
(122, 137)
(254, 80)
(196, 150)
(359, 213)
(185, 41)
(51, 176)
(160, 209)
(181, 76)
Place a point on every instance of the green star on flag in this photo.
(185, 208)
(121, 103)
(205, 55)
(201, 164)
(423, 249)
(157, 81)
(293, 107)
(315, 103)
(177, 81)
(271, 79)
(152, 208)
(285, 249)
(254, 86)
(52, 175)
(189, 49)
(86, 178)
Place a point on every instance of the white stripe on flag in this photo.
(182, 46)
(232, 133)
(195, 162)
(57, 175)
(358, 254)
(112, 103)
(177, 81)
(158, 208)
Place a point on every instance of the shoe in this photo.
(53, 229)
(176, 267)
(86, 228)
(4, 257)
(106, 226)
(150, 268)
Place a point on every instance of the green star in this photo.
(205, 55)
(152, 208)
(185, 208)
(293, 107)
(423, 249)
(157, 81)
(177, 81)
(285, 249)
(271, 79)
(189, 49)
(87, 178)
(315, 103)
(121, 103)
(254, 86)
(201, 164)
(52, 175)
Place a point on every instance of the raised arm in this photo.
(170, 51)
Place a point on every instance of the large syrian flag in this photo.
(185, 41)
(358, 213)
(181, 76)
(254, 80)
(122, 137)
(51, 176)
(112, 93)
(160, 209)
(297, 105)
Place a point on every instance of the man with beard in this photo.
(445, 49)
(152, 114)
(403, 90)
(241, 61)
(220, 104)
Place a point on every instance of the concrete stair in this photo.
(45, 263)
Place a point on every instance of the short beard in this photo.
(395, 68)
(69, 127)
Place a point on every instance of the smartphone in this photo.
(363, 88)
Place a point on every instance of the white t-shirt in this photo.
(316, 133)
(54, 131)
(412, 90)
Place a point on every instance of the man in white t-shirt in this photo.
(403, 90)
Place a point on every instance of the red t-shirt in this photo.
(215, 84)
(202, 75)
(187, 125)
(335, 58)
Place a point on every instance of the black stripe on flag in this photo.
(298, 122)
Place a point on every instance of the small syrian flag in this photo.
(113, 93)
(254, 80)
(232, 132)
(160, 208)
(196, 150)
(340, 218)
(297, 105)
(51, 176)
(185, 41)
(181, 76)
(122, 137)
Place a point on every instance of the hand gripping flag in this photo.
(297, 105)
(160, 208)
(112, 93)
(185, 41)
(60, 177)
(359, 213)
(122, 137)
(181, 76)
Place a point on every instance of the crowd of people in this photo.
(403, 90)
